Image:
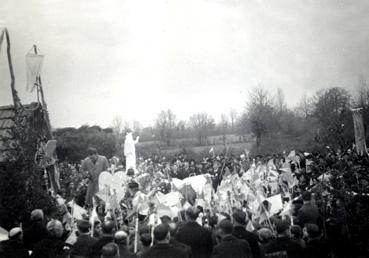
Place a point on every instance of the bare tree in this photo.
(223, 124)
(165, 126)
(305, 107)
(117, 125)
(201, 124)
(280, 103)
(233, 117)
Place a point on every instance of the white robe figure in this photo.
(130, 151)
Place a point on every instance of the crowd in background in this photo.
(319, 224)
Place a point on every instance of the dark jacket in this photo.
(34, 233)
(283, 247)
(187, 249)
(198, 238)
(13, 249)
(96, 248)
(83, 245)
(124, 252)
(230, 246)
(50, 248)
(164, 251)
(241, 233)
(308, 213)
(317, 248)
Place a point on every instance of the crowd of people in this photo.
(316, 224)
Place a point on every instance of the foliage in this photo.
(22, 187)
(165, 125)
(72, 143)
(201, 124)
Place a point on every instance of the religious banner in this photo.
(359, 132)
(33, 65)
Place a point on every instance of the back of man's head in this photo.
(146, 239)
(192, 213)
(282, 227)
(312, 230)
(226, 226)
(120, 237)
(110, 250)
(107, 227)
(83, 226)
(37, 215)
(161, 232)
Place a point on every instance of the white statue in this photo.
(130, 151)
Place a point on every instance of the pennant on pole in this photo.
(33, 65)
(359, 132)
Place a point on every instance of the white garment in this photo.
(130, 151)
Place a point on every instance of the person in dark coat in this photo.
(195, 236)
(283, 245)
(120, 238)
(316, 246)
(309, 212)
(110, 250)
(53, 246)
(240, 232)
(36, 230)
(173, 228)
(162, 248)
(14, 247)
(229, 245)
(106, 237)
(82, 247)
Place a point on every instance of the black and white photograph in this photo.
(184, 129)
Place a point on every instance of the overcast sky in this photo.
(133, 58)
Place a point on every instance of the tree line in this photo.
(322, 120)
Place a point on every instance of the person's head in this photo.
(311, 231)
(146, 239)
(110, 250)
(239, 218)
(161, 233)
(120, 237)
(225, 228)
(165, 219)
(306, 196)
(97, 228)
(15, 234)
(133, 187)
(192, 213)
(92, 154)
(83, 226)
(265, 235)
(37, 215)
(296, 232)
(107, 227)
(283, 228)
(55, 228)
(130, 172)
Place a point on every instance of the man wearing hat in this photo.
(120, 238)
(162, 248)
(84, 243)
(93, 165)
(230, 246)
(195, 236)
(36, 230)
(14, 247)
(106, 237)
(283, 244)
(240, 232)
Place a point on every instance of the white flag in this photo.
(33, 65)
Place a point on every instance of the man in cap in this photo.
(110, 250)
(84, 243)
(14, 247)
(195, 236)
(240, 232)
(93, 165)
(36, 230)
(120, 238)
(229, 245)
(107, 236)
(162, 248)
(283, 245)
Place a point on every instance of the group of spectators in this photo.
(316, 227)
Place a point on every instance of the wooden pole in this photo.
(16, 99)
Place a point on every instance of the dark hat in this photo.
(226, 226)
(282, 226)
(83, 225)
(130, 172)
(132, 185)
(161, 231)
(239, 216)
